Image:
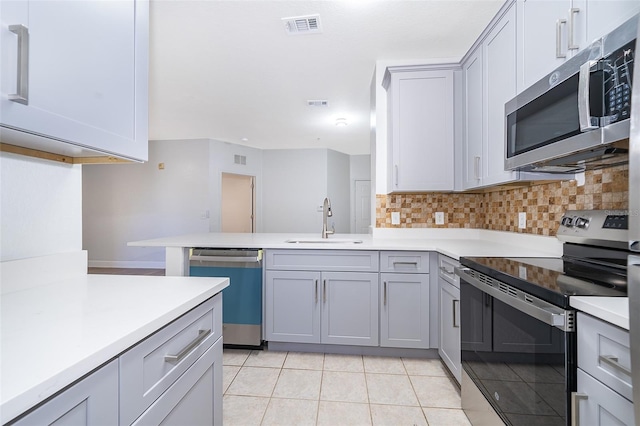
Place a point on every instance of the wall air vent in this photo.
(317, 103)
(298, 25)
(240, 159)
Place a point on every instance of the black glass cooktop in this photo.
(552, 279)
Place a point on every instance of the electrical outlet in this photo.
(522, 220)
(439, 218)
(395, 218)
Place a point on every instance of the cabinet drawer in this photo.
(415, 262)
(322, 260)
(603, 352)
(599, 405)
(145, 370)
(446, 270)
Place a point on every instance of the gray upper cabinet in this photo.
(489, 79)
(420, 124)
(551, 31)
(81, 88)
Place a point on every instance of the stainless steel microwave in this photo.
(578, 116)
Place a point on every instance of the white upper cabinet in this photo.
(420, 103)
(551, 31)
(83, 77)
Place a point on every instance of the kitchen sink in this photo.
(323, 241)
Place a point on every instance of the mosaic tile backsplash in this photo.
(498, 210)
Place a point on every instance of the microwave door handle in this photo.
(584, 112)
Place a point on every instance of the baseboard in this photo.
(133, 264)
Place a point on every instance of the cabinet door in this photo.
(500, 86)
(404, 310)
(194, 399)
(92, 401)
(543, 31)
(422, 131)
(350, 308)
(292, 306)
(599, 405)
(86, 75)
(602, 16)
(473, 119)
(449, 348)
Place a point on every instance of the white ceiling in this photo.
(227, 70)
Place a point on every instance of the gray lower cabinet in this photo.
(404, 310)
(449, 300)
(292, 306)
(321, 307)
(91, 401)
(172, 377)
(605, 391)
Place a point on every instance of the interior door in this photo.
(363, 206)
(237, 203)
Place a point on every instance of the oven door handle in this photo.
(550, 315)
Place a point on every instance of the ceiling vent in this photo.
(298, 25)
(317, 103)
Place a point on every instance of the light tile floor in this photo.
(291, 388)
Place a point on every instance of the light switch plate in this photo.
(522, 220)
(439, 218)
(395, 218)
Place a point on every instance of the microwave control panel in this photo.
(618, 76)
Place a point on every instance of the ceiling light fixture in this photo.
(341, 122)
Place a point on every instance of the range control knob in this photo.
(567, 221)
(581, 222)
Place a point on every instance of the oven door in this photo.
(517, 353)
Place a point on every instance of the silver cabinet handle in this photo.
(446, 271)
(572, 12)
(324, 291)
(612, 361)
(202, 334)
(385, 293)
(559, 24)
(405, 263)
(584, 111)
(575, 409)
(455, 322)
(316, 292)
(476, 167)
(396, 173)
(22, 80)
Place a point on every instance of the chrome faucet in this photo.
(326, 213)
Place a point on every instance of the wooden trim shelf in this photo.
(29, 152)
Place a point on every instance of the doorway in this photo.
(238, 203)
(363, 206)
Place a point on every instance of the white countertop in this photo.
(614, 310)
(454, 243)
(55, 333)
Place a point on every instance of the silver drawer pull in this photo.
(575, 409)
(202, 334)
(613, 362)
(446, 271)
(406, 263)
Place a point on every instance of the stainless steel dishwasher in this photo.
(242, 300)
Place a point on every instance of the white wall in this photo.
(128, 202)
(40, 207)
(294, 185)
(338, 191)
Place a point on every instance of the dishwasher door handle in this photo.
(225, 259)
